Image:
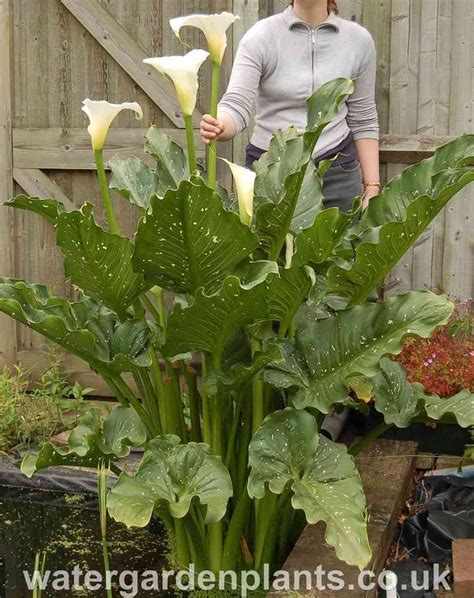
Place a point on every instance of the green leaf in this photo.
(288, 451)
(327, 351)
(284, 178)
(241, 373)
(211, 321)
(315, 244)
(171, 160)
(190, 241)
(134, 180)
(99, 262)
(460, 406)
(92, 441)
(399, 401)
(50, 209)
(84, 328)
(439, 177)
(396, 218)
(171, 475)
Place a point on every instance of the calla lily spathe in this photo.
(183, 71)
(244, 181)
(101, 114)
(214, 28)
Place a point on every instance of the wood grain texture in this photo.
(128, 53)
(70, 149)
(8, 327)
(36, 183)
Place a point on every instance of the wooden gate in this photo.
(55, 53)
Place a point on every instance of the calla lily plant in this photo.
(214, 28)
(272, 326)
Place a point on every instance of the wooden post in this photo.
(8, 338)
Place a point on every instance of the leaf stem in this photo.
(212, 148)
(104, 190)
(257, 393)
(193, 398)
(188, 123)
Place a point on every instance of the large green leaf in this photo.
(50, 209)
(171, 475)
(460, 407)
(134, 180)
(401, 402)
(94, 439)
(327, 351)
(284, 178)
(288, 451)
(84, 328)
(438, 177)
(211, 321)
(171, 160)
(99, 262)
(398, 216)
(189, 240)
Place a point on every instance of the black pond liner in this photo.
(56, 511)
(447, 514)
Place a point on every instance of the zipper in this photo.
(313, 43)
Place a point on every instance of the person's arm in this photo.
(362, 119)
(235, 108)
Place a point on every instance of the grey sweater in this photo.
(280, 61)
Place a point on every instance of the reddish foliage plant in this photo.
(444, 363)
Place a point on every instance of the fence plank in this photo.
(129, 54)
(403, 102)
(37, 184)
(458, 248)
(8, 327)
(70, 149)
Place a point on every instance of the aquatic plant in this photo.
(273, 325)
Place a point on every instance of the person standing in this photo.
(279, 63)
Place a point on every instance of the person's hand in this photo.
(211, 128)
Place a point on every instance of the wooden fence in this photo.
(54, 53)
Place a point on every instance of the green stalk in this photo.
(230, 453)
(193, 398)
(160, 390)
(102, 491)
(104, 190)
(212, 148)
(160, 303)
(257, 393)
(149, 304)
(181, 544)
(268, 553)
(206, 412)
(215, 546)
(264, 508)
(216, 413)
(231, 549)
(188, 123)
(149, 399)
(368, 439)
(176, 403)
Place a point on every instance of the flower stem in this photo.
(212, 148)
(104, 190)
(188, 122)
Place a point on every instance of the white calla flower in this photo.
(214, 28)
(183, 71)
(101, 114)
(244, 181)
